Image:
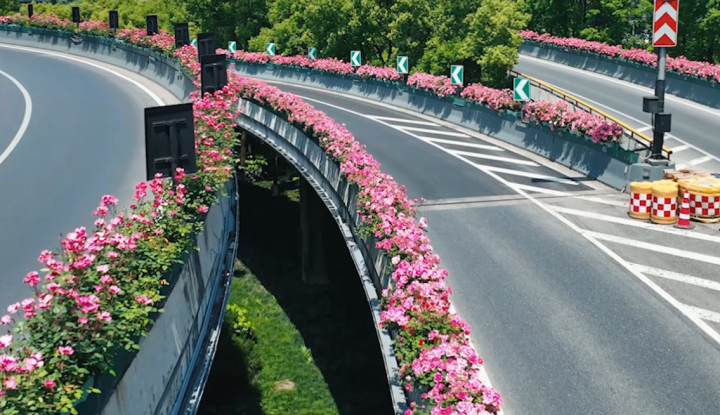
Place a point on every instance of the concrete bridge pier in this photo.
(315, 224)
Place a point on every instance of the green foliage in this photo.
(629, 23)
(8, 7)
(131, 13)
(481, 34)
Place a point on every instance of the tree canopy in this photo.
(629, 22)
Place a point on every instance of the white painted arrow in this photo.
(666, 8)
(665, 30)
(520, 87)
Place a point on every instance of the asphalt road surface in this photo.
(84, 139)
(695, 136)
(562, 327)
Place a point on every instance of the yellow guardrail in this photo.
(634, 134)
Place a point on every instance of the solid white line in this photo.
(704, 314)
(488, 157)
(142, 87)
(678, 149)
(703, 326)
(604, 201)
(25, 121)
(531, 175)
(638, 224)
(694, 162)
(462, 144)
(623, 83)
(655, 248)
(676, 276)
(431, 124)
(540, 190)
(646, 128)
(425, 130)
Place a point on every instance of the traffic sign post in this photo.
(312, 53)
(665, 28)
(457, 73)
(402, 65)
(270, 49)
(355, 58)
(232, 46)
(521, 89)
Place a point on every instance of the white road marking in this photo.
(25, 121)
(461, 143)
(643, 123)
(656, 248)
(646, 128)
(590, 236)
(637, 223)
(431, 124)
(694, 162)
(142, 87)
(525, 174)
(625, 84)
(489, 157)
(438, 132)
(704, 314)
(678, 149)
(540, 190)
(676, 276)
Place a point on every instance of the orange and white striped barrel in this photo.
(664, 203)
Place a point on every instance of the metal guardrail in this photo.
(641, 141)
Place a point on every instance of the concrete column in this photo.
(312, 228)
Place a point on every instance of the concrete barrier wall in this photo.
(695, 89)
(562, 148)
(160, 374)
(340, 197)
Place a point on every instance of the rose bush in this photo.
(679, 65)
(99, 290)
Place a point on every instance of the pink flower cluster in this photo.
(560, 117)
(680, 65)
(330, 65)
(495, 99)
(438, 85)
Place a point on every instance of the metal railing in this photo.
(636, 141)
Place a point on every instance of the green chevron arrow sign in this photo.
(232, 46)
(521, 89)
(457, 74)
(270, 49)
(355, 58)
(193, 43)
(312, 53)
(402, 64)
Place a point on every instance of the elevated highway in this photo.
(71, 131)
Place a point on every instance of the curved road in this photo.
(563, 328)
(85, 139)
(692, 124)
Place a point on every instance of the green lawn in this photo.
(314, 350)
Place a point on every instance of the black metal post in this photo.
(658, 134)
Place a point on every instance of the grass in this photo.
(314, 350)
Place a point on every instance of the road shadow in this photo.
(333, 319)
